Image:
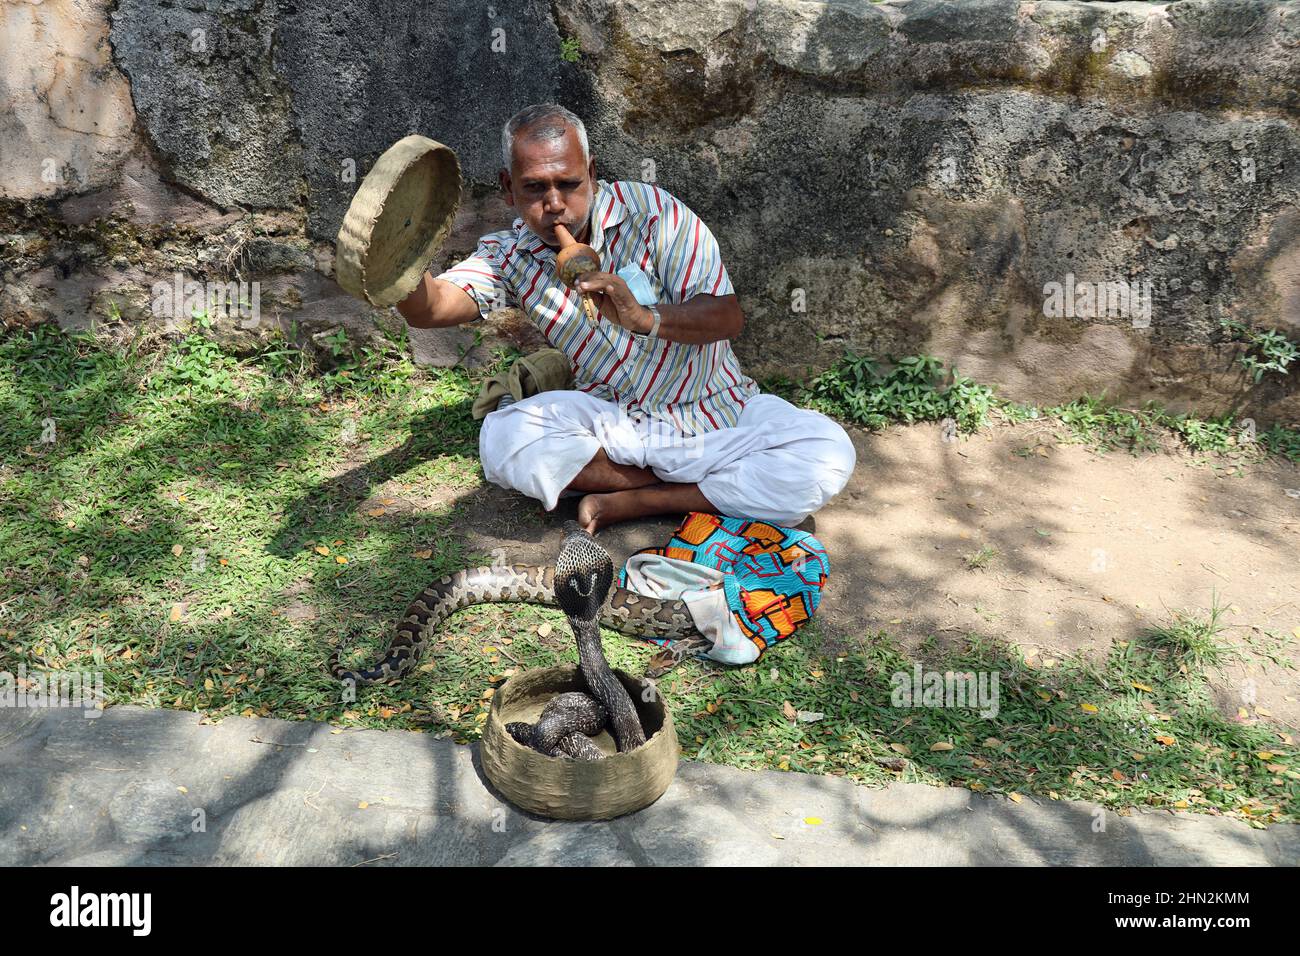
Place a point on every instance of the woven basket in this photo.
(567, 789)
(398, 220)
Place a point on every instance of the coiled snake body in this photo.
(579, 584)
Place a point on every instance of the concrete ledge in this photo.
(156, 787)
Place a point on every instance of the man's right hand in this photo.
(436, 304)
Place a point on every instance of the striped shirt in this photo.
(693, 388)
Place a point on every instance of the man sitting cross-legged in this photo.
(661, 418)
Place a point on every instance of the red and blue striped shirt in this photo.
(694, 388)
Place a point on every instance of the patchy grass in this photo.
(166, 532)
(918, 388)
(1194, 637)
(203, 529)
(980, 559)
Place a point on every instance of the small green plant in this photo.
(911, 391)
(1214, 434)
(336, 342)
(1270, 351)
(1278, 440)
(981, 558)
(570, 49)
(1105, 426)
(201, 364)
(1194, 637)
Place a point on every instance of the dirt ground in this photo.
(1090, 548)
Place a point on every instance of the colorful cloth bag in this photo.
(771, 581)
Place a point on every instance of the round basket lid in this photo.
(398, 220)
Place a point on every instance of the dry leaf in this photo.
(422, 555)
(1088, 708)
(940, 747)
(789, 711)
(322, 549)
(178, 550)
(544, 630)
(1015, 797)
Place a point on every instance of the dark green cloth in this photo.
(543, 371)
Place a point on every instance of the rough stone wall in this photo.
(895, 177)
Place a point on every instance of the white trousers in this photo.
(779, 464)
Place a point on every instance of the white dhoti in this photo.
(779, 464)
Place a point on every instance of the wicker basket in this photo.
(576, 789)
(398, 219)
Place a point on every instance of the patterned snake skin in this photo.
(567, 723)
(624, 611)
(584, 574)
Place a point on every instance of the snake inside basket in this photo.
(581, 585)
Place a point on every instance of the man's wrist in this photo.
(650, 322)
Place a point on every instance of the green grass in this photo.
(1194, 637)
(181, 535)
(980, 559)
(913, 389)
(185, 479)
(875, 394)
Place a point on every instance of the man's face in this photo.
(548, 183)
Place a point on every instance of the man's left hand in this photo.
(615, 301)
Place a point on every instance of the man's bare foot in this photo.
(596, 511)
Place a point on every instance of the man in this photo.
(661, 418)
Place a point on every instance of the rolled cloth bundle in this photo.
(398, 220)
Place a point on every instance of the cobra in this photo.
(624, 611)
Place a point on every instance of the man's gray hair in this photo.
(541, 121)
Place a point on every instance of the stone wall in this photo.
(895, 177)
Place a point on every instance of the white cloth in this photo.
(779, 464)
(671, 579)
